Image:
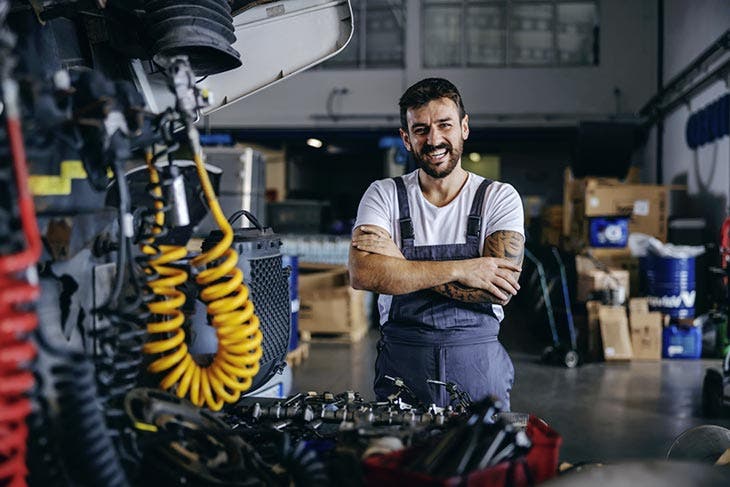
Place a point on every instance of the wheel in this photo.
(571, 359)
(548, 354)
(712, 403)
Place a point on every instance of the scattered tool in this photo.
(461, 398)
(478, 443)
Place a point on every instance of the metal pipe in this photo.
(700, 63)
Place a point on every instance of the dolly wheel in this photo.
(548, 354)
(712, 404)
(571, 359)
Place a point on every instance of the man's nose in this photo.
(435, 137)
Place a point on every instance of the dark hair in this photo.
(426, 90)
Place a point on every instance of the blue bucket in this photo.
(670, 285)
(292, 261)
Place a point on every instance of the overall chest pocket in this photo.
(425, 308)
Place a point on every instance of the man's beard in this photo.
(454, 155)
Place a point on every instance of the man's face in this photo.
(436, 136)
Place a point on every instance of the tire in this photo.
(571, 359)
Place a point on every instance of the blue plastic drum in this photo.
(670, 284)
(292, 261)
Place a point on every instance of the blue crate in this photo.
(682, 342)
(612, 232)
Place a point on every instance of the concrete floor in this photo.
(604, 411)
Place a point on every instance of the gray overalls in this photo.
(430, 336)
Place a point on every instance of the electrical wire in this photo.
(17, 292)
(232, 314)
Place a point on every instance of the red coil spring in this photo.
(15, 381)
(17, 320)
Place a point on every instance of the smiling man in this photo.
(444, 249)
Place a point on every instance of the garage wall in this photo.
(627, 62)
(689, 28)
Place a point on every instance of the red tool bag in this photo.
(540, 464)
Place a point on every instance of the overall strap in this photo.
(474, 223)
(405, 224)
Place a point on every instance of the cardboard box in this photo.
(591, 278)
(327, 302)
(551, 228)
(638, 305)
(593, 345)
(645, 204)
(620, 259)
(615, 333)
(646, 331)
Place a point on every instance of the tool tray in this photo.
(541, 462)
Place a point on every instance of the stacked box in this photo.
(592, 279)
(327, 302)
(585, 198)
(646, 330)
(552, 225)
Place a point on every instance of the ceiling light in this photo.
(316, 143)
(475, 157)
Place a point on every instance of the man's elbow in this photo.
(358, 278)
(356, 281)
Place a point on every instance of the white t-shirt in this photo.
(440, 225)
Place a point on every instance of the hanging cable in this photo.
(231, 311)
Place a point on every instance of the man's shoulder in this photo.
(388, 184)
(494, 185)
(499, 187)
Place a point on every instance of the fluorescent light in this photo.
(316, 143)
(475, 157)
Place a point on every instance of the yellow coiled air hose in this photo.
(227, 297)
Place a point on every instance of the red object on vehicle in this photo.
(541, 461)
(725, 243)
(17, 318)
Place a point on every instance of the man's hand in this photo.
(506, 249)
(495, 275)
(375, 240)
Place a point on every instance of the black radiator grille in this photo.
(270, 296)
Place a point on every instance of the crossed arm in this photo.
(377, 264)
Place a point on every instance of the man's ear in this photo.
(405, 139)
(465, 127)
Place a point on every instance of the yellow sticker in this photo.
(50, 185)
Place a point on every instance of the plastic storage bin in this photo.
(682, 342)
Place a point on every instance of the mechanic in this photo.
(443, 247)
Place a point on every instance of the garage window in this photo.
(379, 37)
(466, 33)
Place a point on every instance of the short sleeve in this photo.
(377, 207)
(503, 210)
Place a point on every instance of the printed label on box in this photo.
(675, 350)
(609, 351)
(641, 207)
(593, 201)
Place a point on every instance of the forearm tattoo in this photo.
(459, 292)
(505, 245)
(502, 244)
